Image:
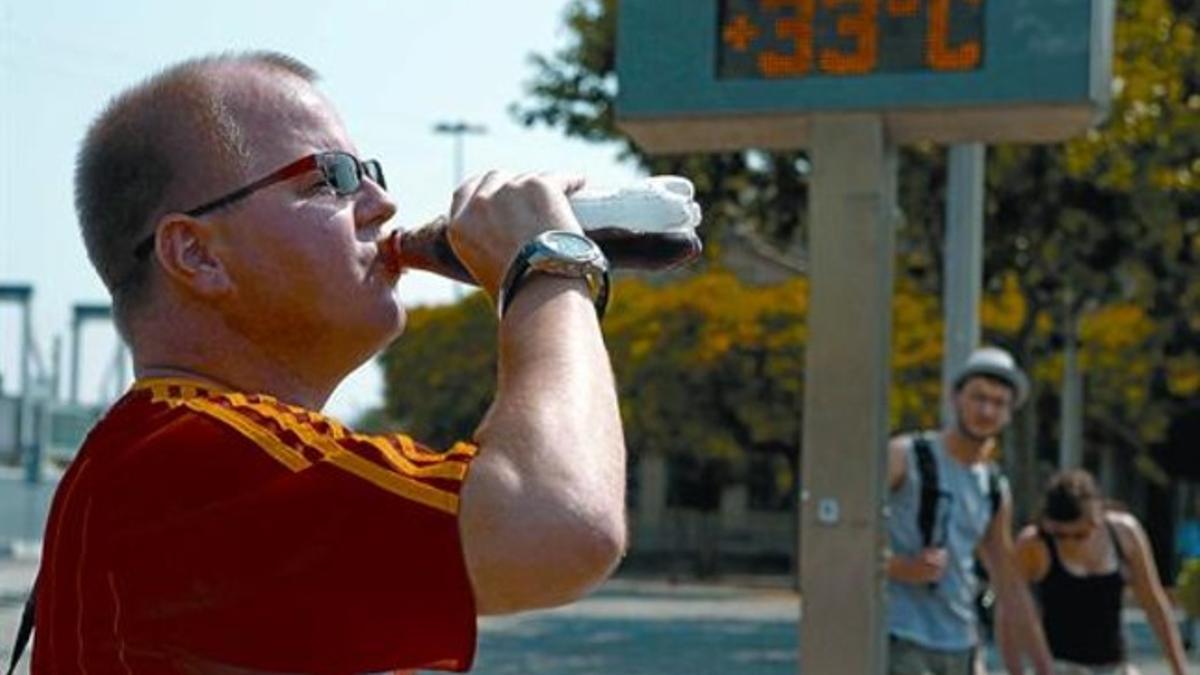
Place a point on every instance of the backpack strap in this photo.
(995, 497)
(927, 469)
(24, 631)
(1122, 561)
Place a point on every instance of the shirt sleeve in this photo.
(263, 536)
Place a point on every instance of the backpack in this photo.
(931, 493)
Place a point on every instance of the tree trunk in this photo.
(1021, 463)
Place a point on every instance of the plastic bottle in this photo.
(650, 225)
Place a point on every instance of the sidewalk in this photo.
(631, 626)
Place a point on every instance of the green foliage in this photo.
(1110, 217)
(710, 370)
(1187, 587)
(1104, 229)
(439, 378)
(709, 366)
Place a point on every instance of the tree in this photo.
(710, 373)
(708, 367)
(440, 377)
(1111, 217)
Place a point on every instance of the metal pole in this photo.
(1070, 442)
(962, 276)
(75, 327)
(26, 345)
(459, 159)
(847, 371)
(458, 130)
(27, 433)
(82, 312)
(55, 367)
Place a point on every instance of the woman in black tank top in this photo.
(1065, 596)
(1079, 558)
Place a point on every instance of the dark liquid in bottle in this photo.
(428, 248)
(655, 251)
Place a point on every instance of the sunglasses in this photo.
(341, 171)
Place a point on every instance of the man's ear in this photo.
(184, 246)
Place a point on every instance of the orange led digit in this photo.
(862, 28)
(798, 28)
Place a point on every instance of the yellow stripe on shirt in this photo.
(245, 416)
(263, 438)
(329, 446)
(396, 483)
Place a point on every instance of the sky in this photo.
(394, 68)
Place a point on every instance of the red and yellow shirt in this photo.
(201, 530)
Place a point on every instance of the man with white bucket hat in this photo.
(949, 505)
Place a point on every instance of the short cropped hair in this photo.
(153, 146)
(1068, 494)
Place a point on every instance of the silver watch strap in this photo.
(518, 271)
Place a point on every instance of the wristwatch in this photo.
(563, 254)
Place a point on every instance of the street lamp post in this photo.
(458, 129)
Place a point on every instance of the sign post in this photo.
(846, 374)
(850, 80)
(962, 269)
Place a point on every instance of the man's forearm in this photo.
(923, 569)
(1017, 617)
(543, 509)
(897, 569)
(1007, 643)
(556, 393)
(1158, 613)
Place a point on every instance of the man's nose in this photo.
(373, 205)
(992, 408)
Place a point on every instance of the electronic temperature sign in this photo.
(723, 74)
(801, 39)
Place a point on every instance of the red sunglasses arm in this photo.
(296, 168)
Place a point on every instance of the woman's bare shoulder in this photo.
(1123, 521)
(1033, 560)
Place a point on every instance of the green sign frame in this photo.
(1044, 74)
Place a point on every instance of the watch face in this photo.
(570, 244)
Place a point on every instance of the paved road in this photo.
(629, 627)
(645, 628)
(16, 576)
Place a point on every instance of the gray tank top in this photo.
(940, 616)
